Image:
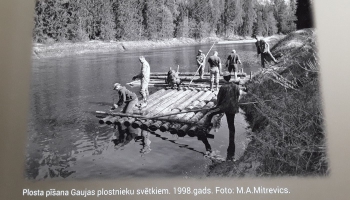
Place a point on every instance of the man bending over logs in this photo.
(144, 76)
(125, 96)
(130, 99)
(215, 70)
(173, 79)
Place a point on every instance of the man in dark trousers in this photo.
(125, 96)
(263, 48)
(232, 63)
(227, 102)
(200, 63)
(215, 70)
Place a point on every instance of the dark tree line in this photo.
(82, 20)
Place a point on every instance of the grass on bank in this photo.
(287, 137)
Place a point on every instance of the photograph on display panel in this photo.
(174, 89)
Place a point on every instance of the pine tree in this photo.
(107, 21)
(249, 17)
(232, 17)
(129, 19)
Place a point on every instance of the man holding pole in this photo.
(215, 70)
(200, 63)
(232, 62)
(144, 76)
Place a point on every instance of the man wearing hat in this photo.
(263, 48)
(125, 96)
(200, 63)
(232, 62)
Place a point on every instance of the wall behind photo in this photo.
(331, 21)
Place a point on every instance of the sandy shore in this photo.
(79, 48)
(89, 47)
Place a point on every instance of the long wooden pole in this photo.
(203, 61)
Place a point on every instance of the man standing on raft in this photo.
(215, 70)
(144, 76)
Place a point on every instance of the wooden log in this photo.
(173, 128)
(196, 80)
(121, 121)
(202, 125)
(184, 129)
(199, 115)
(161, 107)
(166, 103)
(129, 121)
(156, 102)
(190, 74)
(156, 124)
(112, 120)
(189, 116)
(104, 120)
(164, 107)
(136, 124)
(192, 130)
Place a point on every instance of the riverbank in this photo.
(287, 137)
(80, 48)
(89, 47)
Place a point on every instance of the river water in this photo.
(65, 139)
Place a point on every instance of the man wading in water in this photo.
(227, 102)
(144, 76)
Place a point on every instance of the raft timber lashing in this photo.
(168, 101)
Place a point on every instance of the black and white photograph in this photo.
(189, 89)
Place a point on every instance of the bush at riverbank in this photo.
(287, 135)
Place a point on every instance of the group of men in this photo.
(227, 97)
(215, 66)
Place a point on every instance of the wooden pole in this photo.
(203, 61)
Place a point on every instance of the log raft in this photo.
(179, 102)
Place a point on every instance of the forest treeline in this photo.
(83, 20)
